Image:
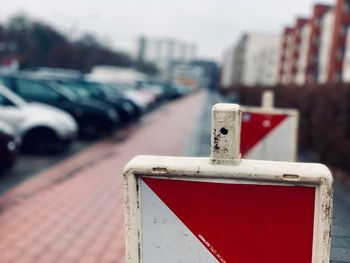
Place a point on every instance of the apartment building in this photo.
(294, 52)
(313, 49)
(327, 25)
(295, 59)
(346, 59)
(338, 46)
(303, 33)
(317, 49)
(163, 51)
(239, 62)
(313, 56)
(343, 51)
(227, 68)
(233, 63)
(252, 61)
(285, 51)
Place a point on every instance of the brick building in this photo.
(314, 49)
(294, 49)
(338, 46)
(302, 36)
(327, 25)
(283, 68)
(298, 37)
(317, 49)
(318, 14)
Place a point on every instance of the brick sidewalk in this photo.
(73, 212)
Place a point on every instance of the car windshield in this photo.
(84, 89)
(68, 92)
(104, 89)
(16, 100)
(95, 89)
(121, 86)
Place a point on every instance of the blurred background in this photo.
(87, 85)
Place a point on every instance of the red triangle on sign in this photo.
(255, 126)
(244, 223)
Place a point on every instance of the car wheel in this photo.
(90, 128)
(41, 140)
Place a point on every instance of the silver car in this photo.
(42, 128)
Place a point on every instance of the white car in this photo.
(42, 128)
(131, 93)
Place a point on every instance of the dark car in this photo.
(93, 117)
(118, 96)
(75, 82)
(127, 110)
(9, 145)
(171, 91)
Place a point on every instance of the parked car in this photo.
(42, 128)
(117, 96)
(47, 72)
(93, 117)
(154, 89)
(169, 90)
(9, 145)
(165, 90)
(126, 109)
(144, 102)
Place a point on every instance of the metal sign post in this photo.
(226, 209)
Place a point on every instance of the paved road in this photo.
(199, 145)
(29, 165)
(341, 224)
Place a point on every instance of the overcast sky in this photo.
(212, 24)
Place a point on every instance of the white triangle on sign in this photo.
(165, 238)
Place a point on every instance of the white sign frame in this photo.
(218, 168)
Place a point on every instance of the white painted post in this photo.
(225, 134)
(268, 99)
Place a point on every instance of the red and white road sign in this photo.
(225, 222)
(189, 210)
(269, 134)
(224, 209)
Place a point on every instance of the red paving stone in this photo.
(73, 212)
